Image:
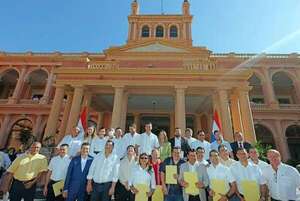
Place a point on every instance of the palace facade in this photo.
(157, 76)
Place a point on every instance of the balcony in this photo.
(285, 107)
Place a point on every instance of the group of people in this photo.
(106, 165)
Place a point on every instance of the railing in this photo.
(259, 106)
(29, 101)
(3, 101)
(264, 55)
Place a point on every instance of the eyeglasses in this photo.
(144, 158)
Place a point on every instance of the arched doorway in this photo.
(284, 88)
(8, 83)
(292, 134)
(256, 94)
(36, 85)
(21, 129)
(264, 135)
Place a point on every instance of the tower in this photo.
(165, 27)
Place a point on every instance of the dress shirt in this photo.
(97, 145)
(228, 163)
(261, 164)
(5, 160)
(250, 172)
(205, 145)
(119, 148)
(125, 170)
(104, 169)
(204, 162)
(220, 172)
(83, 163)
(283, 183)
(177, 142)
(214, 145)
(193, 168)
(190, 140)
(240, 144)
(131, 139)
(74, 144)
(59, 166)
(147, 143)
(142, 176)
(27, 166)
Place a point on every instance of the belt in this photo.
(272, 199)
(109, 182)
(24, 182)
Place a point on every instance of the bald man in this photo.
(282, 179)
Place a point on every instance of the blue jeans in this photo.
(173, 197)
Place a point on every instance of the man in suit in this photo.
(76, 179)
(239, 143)
(192, 165)
(179, 141)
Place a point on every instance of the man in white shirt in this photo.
(254, 158)
(98, 142)
(131, 138)
(57, 171)
(119, 148)
(189, 136)
(217, 171)
(245, 171)
(200, 156)
(201, 142)
(74, 140)
(282, 179)
(220, 140)
(224, 156)
(123, 192)
(148, 141)
(103, 174)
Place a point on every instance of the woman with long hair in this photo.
(143, 174)
(164, 145)
(90, 134)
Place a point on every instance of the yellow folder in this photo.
(250, 190)
(219, 187)
(142, 194)
(158, 194)
(191, 178)
(58, 187)
(170, 171)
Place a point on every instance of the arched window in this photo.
(173, 32)
(264, 135)
(145, 31)
(159, 31)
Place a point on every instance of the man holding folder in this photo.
(222, 183)
(169, 171)
(251, 185)
(193, 178)
(57, 171)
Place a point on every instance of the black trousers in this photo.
(18, 191)
(121, 193)
(194, 198)
(50, 195)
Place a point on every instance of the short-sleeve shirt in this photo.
(59, 167)
(172, 188)
(27, 166)
(147, 143)
(220, 172)
(250, 173)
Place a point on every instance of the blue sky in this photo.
(248, 26)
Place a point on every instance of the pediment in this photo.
(157, 47)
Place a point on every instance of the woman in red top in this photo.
(155, 162)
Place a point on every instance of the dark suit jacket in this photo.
(76, 181)
(184, 145)
(234, 147)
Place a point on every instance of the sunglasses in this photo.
(144, 158)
